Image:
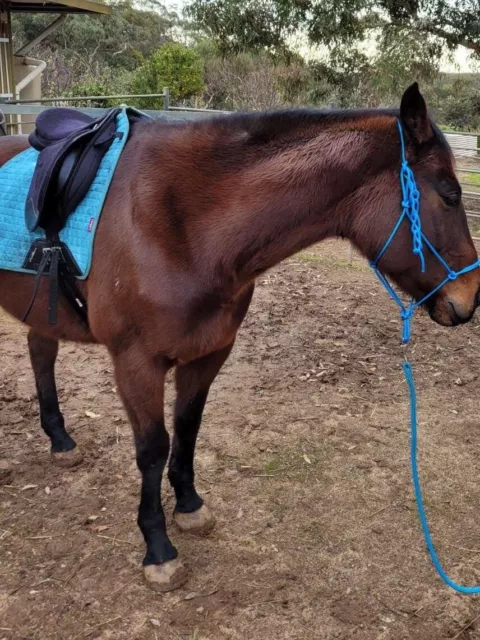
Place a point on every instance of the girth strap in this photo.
(58, 265)
(41, 269)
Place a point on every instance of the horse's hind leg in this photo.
(43, 353)
(193, 382)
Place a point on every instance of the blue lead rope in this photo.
(407, 368)
(411, 212)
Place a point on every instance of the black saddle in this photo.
(72, 145)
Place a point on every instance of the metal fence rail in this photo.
(464, 144)
(466, 149)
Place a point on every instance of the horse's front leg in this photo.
(140, 379)
(193, 382)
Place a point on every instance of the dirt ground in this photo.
(303, 456)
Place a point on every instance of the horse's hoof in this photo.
(167, 576)
(199, 522)
(67, 458)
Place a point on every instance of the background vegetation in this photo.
(260, 54)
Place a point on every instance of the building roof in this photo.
(55, 6)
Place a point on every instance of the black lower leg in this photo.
(43, 353)
(188, 416)
(193, 382)
(152, 454)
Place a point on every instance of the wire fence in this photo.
(466, 148)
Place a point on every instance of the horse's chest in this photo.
(208, 335)
(211, 326)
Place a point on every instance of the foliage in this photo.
(241, 82)
(255, 25)
(91, 47)
(248, 25)
(241, 53)
(174, 66)
(455, 101)
(456, 22)
(402, 57)
(94, 88)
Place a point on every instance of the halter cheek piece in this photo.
(411, 212)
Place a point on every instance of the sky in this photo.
(461, 62)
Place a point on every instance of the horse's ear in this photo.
(413, 114)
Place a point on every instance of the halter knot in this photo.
(406, 315)
(452, 275)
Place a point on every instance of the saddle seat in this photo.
(72, 145)
(53, 125)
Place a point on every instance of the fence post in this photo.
(166, 98)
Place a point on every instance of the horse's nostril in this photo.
(453, 314)
(459, 315)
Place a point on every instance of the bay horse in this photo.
(195, 212)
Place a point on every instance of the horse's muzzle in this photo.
(458, 315)
(450, 310)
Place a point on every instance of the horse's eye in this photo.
(450, 192)
(451, 199)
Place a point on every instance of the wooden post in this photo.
(166, 98)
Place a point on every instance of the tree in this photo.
(267, 24)
(454, 22)
(249, 25)
(92, 48)
(173, 66)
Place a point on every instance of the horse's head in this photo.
(443, 220)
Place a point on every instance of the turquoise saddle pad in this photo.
(79, 232)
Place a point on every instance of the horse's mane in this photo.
(264, 126)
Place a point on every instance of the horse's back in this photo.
(10, 146)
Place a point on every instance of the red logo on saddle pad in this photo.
(90, 225)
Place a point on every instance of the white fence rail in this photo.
(466, 148)
(464, 145)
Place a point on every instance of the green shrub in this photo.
(173, 66)
(90, 88)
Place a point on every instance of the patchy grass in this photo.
(470, 180)
(307, 257)
(325, 549)
(301, 464)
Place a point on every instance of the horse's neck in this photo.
(282, 202)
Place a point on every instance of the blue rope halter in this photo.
(411, 212)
